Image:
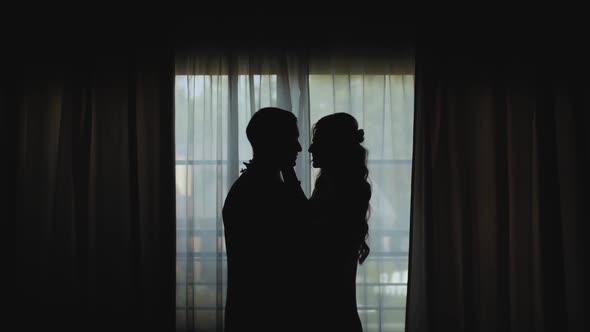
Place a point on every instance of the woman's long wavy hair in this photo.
(340, 133)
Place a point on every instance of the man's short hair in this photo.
(268, 124)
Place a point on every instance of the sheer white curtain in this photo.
(217, 92)
(378, 90)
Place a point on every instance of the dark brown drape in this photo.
(501, 167)
(92, 238)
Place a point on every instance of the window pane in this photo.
(205, 296)
(393, 320)
(370, 319)
(393, 296)
(205, 320)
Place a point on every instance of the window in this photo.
(211, 145)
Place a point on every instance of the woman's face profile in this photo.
(333, 141)
(315, 155)
(322, 150)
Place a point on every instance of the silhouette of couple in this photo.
(292, 260)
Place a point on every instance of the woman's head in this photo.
(336, 144)
(336, 149)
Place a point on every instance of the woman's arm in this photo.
(293, 183)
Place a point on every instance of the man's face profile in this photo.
(274, 136)
(291, 146)
(284, 146)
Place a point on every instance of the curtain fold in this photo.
(93, 236)
(501, 155)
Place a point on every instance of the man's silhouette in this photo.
(262, 219)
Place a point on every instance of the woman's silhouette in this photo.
(339, 209)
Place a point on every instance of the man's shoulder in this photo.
(241, 190)
(243, 184)
(243, 199)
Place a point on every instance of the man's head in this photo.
(274, 135)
